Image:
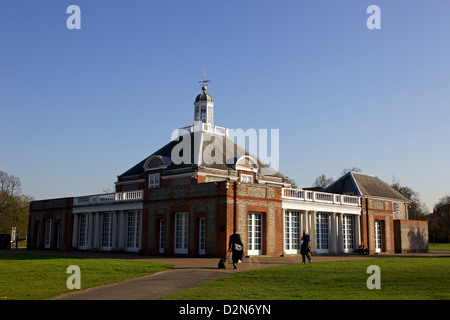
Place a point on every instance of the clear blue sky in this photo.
(79, 107)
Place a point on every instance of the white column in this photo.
(90, 231)
(122, 231)
(312, 230)
(357, 235)
(332, 232)
(76, 219)
(114, 231)
(283, 236)
(97, 231)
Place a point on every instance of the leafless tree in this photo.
(354, 169)
(323, 181)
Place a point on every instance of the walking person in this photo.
(304, 249)
(236, 247)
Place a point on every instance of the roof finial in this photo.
(204, 81)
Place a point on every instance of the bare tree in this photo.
(293, 183)
(323, 181)
(354, 169)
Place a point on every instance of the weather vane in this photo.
(204, 81)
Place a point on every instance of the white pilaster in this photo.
(312, 231)
(91, 231)
(115, 217)
(357, 234)
(122, 231)
(97, 231)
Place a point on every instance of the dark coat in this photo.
(304, 249)
(235, 238)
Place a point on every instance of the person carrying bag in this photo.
(236, 247)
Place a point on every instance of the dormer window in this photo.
(396, 207)
(153, 181)
(246, 178)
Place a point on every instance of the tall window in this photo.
(162, 231)
(134, 230)
(84, 231)
(107, 224)
(347, 231)
(291, 231)
(196, 115)
(202, 236)
(181, 232)
(378, 236)
(322, 232)
(153, 180)
(48, 232)
(203, 113)
(254, 233)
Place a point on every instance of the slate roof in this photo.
(361, 184)
(224, 145)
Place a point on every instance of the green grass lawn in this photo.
(439, 246)
(34, 277)
(401, 278)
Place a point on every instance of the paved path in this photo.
(187, 272)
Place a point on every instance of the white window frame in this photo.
(292, 232)
(246, 178)
(83, 231)
(107, 228)
(322, 236)
(378, 236)
(255, 234)
(395, 207)
(181, 231)
(348, 232)
(153, 180)
(203, 114)
(48, 233)
(133, 231)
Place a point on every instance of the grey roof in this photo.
(229, 153)
(361, 184)
(203, 97)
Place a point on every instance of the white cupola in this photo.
(203, 107)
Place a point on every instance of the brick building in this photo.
(384, 215)
(187, 197)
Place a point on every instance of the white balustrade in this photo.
(109, 197)
(317, 196)
(204, 127)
